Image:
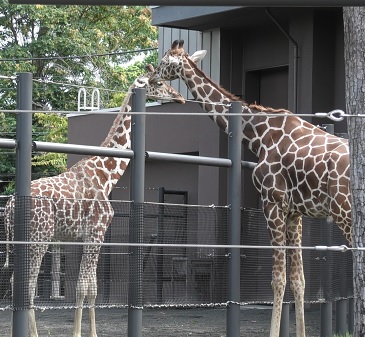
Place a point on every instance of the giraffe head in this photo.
(157, 89)
(171, 65)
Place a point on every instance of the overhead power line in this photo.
(45, 81)
(21, 59)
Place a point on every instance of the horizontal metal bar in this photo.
(82, 149)
(248, 164)
(253, 3)
(7, 143)
(188, 159)
(111, 152)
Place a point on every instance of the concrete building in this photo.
(282, 57)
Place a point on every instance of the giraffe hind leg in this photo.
(91, 296)
(297, 281)
(297, 286)
(276, 222)
(278, 284)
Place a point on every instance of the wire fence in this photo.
(185, 258)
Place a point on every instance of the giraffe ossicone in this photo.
(74, 206)
(301, 170)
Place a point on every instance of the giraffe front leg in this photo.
(297, 281)
(91, 298)
(31, 314)
(36, 256)
(87, 286)
(32, 324)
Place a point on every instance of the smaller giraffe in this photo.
(301, 170)
(74, 206)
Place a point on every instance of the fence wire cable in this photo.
(330, 115)
(7, 77)
(335, 115)
(45, 81)
(341, 248)
(135, 51)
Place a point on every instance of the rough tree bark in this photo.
(354, 38)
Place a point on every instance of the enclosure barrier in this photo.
(24, 147)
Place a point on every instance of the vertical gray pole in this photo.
(22, 204)
(341, 305)
(136, 219)
(351, 315)
(234, 220)
(160, 239)
(284, 321)
(341, 317)
(326, 307)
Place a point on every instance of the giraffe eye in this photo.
(159, 84)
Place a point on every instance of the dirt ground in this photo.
(255, 322)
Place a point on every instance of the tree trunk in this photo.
(354, 38)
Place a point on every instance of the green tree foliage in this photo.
(124, 76)
(57, 44)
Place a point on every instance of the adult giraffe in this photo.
(301, 170)
(74, 206)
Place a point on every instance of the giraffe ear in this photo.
(141, 82)
(150, 68)
(175, 44)
(198, 55)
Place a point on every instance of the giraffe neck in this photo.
(119, 133)
(215, 99)
(210, 96)
(104, 172)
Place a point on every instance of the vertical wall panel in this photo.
(215, 55)
(175, 34)
(164, 40)
(207, 44)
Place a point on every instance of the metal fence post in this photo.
(22, 204)
(136, 218)
(341, 304)
(234, 219)
(160, 236)
(326, 307)
(285, 320)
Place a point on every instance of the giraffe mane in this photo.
(231, 96)
(267, 109)
(118, 118)
(215, 85)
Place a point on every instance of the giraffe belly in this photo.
(314, 206)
